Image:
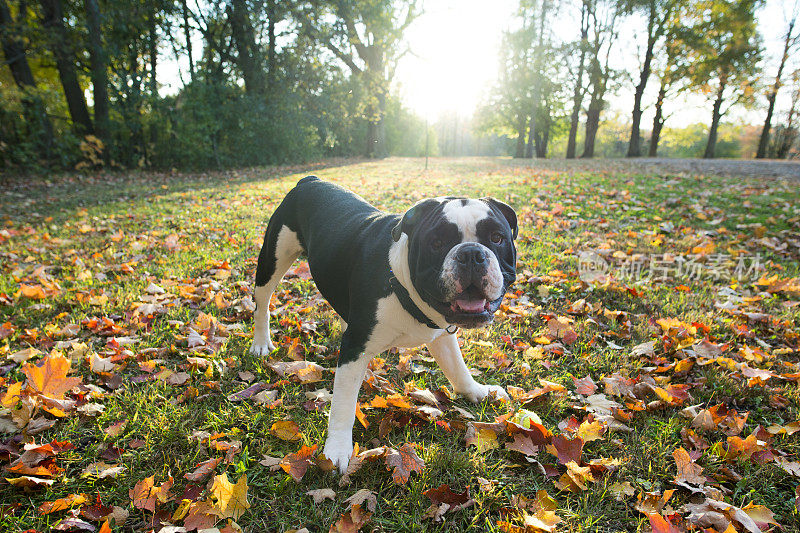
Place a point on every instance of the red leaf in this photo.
(568, 449)
(585, 386)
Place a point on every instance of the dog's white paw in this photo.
(262, 349)
(479, 392)
(339, 451)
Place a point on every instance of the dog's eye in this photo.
(437, 244)
(497, 237)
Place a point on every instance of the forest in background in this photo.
(269, 82)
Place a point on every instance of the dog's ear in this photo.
(412, 217)
(507, 211)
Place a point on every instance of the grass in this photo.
(105, 238)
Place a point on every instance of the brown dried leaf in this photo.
(351, 521)
(320, 495)
(296, 464)
(403, 461)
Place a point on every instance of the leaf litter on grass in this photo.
(105, 307)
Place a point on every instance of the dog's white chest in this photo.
(396, 328)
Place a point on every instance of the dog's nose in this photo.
(470, 255)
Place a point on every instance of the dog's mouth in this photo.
(469, 309)
(468, 306)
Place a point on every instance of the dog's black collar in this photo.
(409, 305)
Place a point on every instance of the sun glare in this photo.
(454, 55)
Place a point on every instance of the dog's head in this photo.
(461, 255)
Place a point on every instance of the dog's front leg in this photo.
(447, 353)
(346, 384)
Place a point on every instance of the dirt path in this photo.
(725, 167)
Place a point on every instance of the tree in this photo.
(578, 89)
(248, 57)
(60, 46)
(789, 44)
(658, 14)
(99, 73)
(366, 35)
(536, 14)
(604, 17)
(672, 71)
(786, 134)
(724, 53)
(17, 59)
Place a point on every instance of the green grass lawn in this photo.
(144, 281)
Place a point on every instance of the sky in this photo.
(455, 49)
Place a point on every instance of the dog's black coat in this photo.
(341, 235)
(347, 242)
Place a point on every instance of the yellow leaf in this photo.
(590, 431)
(231, 500)
(286, 430)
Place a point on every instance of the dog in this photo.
(395, 281)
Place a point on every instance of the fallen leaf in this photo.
(688, 470)
(364, 498)
(62, 503)
(304, 371)
(351, 521)
(444, 494)
(585, 386)
(483, 438)
(287, 430)
(567, 449)
(296, 464)
(320, 495)
(659, 524)
(51, 378)
(230, 501)
(203, 469)
(403, 462)
(101, 470)
(140, 494)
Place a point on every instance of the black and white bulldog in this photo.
(395, 281)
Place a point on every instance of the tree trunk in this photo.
(658, 119)
(246, 53)
(15, 55)
(543, 134)
(187, 34)
(376, 132)
(271, 62)
(53, 21)
(531, 136)
(577, 96)
(99, 67)
(534, 136)
(711, 146)
(763, 141)
(595, 108)
(789, 135)
(520, 151)
(634, 146)
(592, 125)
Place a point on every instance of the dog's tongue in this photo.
(471, 306)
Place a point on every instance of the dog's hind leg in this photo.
(281, 247)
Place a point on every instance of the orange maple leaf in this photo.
(51, 379)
